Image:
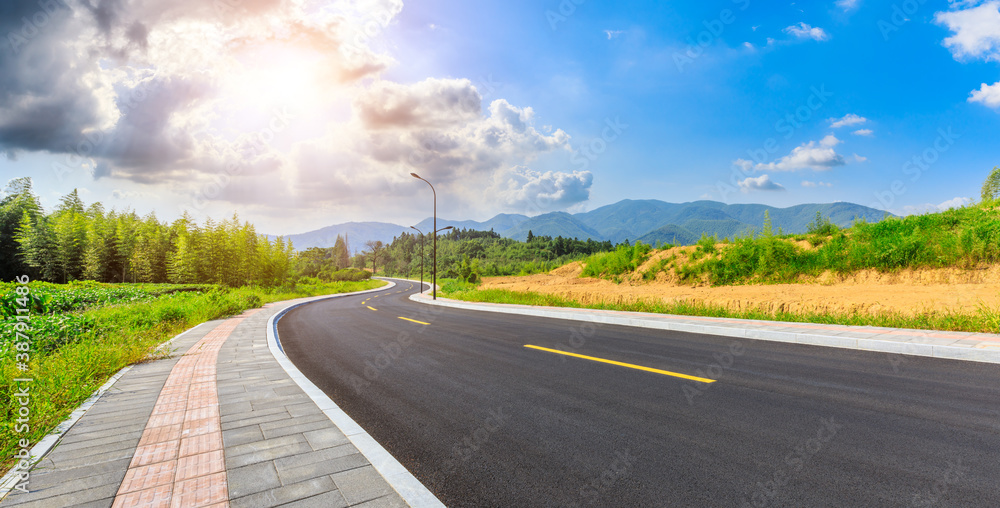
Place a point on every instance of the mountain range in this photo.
(647, 220)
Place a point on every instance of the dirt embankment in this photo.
(907, 291)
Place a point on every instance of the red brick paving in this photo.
(180, 461)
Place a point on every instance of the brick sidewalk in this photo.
(220, 425)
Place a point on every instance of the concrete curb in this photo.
(402, 481)
(751, 329)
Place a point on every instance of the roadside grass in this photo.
(984, 320)
(75, 352)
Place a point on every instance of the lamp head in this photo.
(414, 175)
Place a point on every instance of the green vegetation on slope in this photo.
(961, 237)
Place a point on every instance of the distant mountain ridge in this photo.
(647, 220)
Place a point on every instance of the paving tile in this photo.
(389, 501)
(325, 438)
(251, 479)
(291, 474)
(242, 435)
(286, 493)
(200, 491)
(361, 484)
(202, 464)
(331, 499)
(273, 431)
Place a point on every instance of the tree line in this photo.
(78, 242)
(469, 254)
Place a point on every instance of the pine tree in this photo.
(341, 258)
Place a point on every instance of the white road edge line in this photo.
(413, 492)
(47, 443)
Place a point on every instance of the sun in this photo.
(277, 78)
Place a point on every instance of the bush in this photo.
(624, 259)
(350, 275)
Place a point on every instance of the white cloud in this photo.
(533, 191)
(807, 183)
(760, 183)
(976, 30)
(858, 158)
(817, 156)
(804, 31)
(988, 95)
(846, 120)
(613, 33)
(957, 202)
(863, 132)
(848, 4)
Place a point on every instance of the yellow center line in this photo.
(622, 364)
(370, 307)
(413, 320)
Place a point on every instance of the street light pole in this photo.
(421, 258)
(434, 236)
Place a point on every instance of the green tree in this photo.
(37, 247)
(341, 257)
(991, 187)
(18, 199)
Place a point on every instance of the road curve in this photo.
(482, 420)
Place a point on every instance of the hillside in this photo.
(647, 220)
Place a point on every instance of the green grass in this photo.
(78, 346)
(985, 320)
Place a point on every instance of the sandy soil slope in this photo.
(908, 291)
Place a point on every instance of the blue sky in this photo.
(528, 106)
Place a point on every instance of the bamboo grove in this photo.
(78, 242)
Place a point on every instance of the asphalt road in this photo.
(482, 420)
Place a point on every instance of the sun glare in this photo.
(278, 79)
